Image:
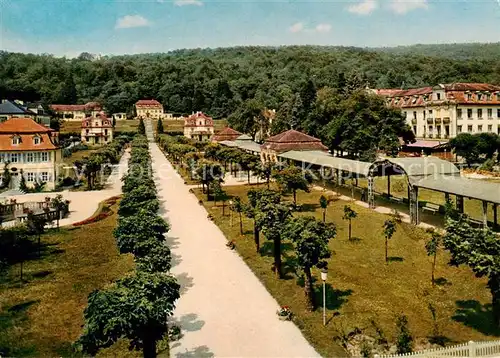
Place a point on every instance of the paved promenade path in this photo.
(224, 310)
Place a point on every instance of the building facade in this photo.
(31, 150)
(76, 112)
(97, 130)
(149, 108)
(199, 127)
(446, 110)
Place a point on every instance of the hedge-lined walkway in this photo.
(224, 310)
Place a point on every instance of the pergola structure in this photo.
(424, 172)
(243, 142)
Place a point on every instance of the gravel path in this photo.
(224, 310)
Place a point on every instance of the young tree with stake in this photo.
(349, 214)
(389, 230)
(323, 203)
(432, 247)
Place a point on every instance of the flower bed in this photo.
(284, 313)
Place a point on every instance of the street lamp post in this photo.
(324, 275)
(231, 212)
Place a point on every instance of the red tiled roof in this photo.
(22, 125)
(293, 140)
(226, 134)
(26, 129)
(147, 103)
(455, 93)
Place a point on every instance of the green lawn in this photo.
(361, 287)
(44, 315)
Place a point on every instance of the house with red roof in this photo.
(287, 141)
(76, 112)
(199, 127)
(31, 150)
(446, 110)
(149, 109)
(97, 130)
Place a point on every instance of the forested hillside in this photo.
(486, 51)
(216, 81)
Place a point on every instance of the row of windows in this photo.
(480, 112)
(32, 177)
(30, 157)
(480, 129)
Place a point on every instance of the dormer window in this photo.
(438, 96)
(16, 140)
(469, 96)
(37, 140)
(479, 96)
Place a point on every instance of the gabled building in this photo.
(446, 110)
(149, 108)
(30, 148)
(11, 109)
(97, 130)
(287, 141)
(76, 112)
(227, 134)
(199, 127)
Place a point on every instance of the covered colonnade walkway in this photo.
(421, 173)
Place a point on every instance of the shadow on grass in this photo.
(307, 207)
(395, 259)
(441, 281)
(335, 299)
(440, 340)
(355, 240)
(476, 315)
(11, 320)
(198, 352)
(41, 274)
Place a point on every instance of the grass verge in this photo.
(361, 288)
(43, 315)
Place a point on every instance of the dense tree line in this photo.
(217, 81)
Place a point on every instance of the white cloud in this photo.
(404, 6)
(297, 27)
(363, 8)
(323, 28)
(188, 2)
(129, 21)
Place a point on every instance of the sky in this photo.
(112, 27)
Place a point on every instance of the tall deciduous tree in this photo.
(292, 179)
(480, 250)
(208, 172)
(136, 308)
(311, 239)
(272, 219)
(466, 146)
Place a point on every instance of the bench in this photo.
(433, 208)
(396, 199)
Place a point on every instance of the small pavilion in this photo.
(290, 140)
(227, 134)
(243, 142)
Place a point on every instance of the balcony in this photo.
(430, 120)
(446, 120)
(438, 121)
(414, 121)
